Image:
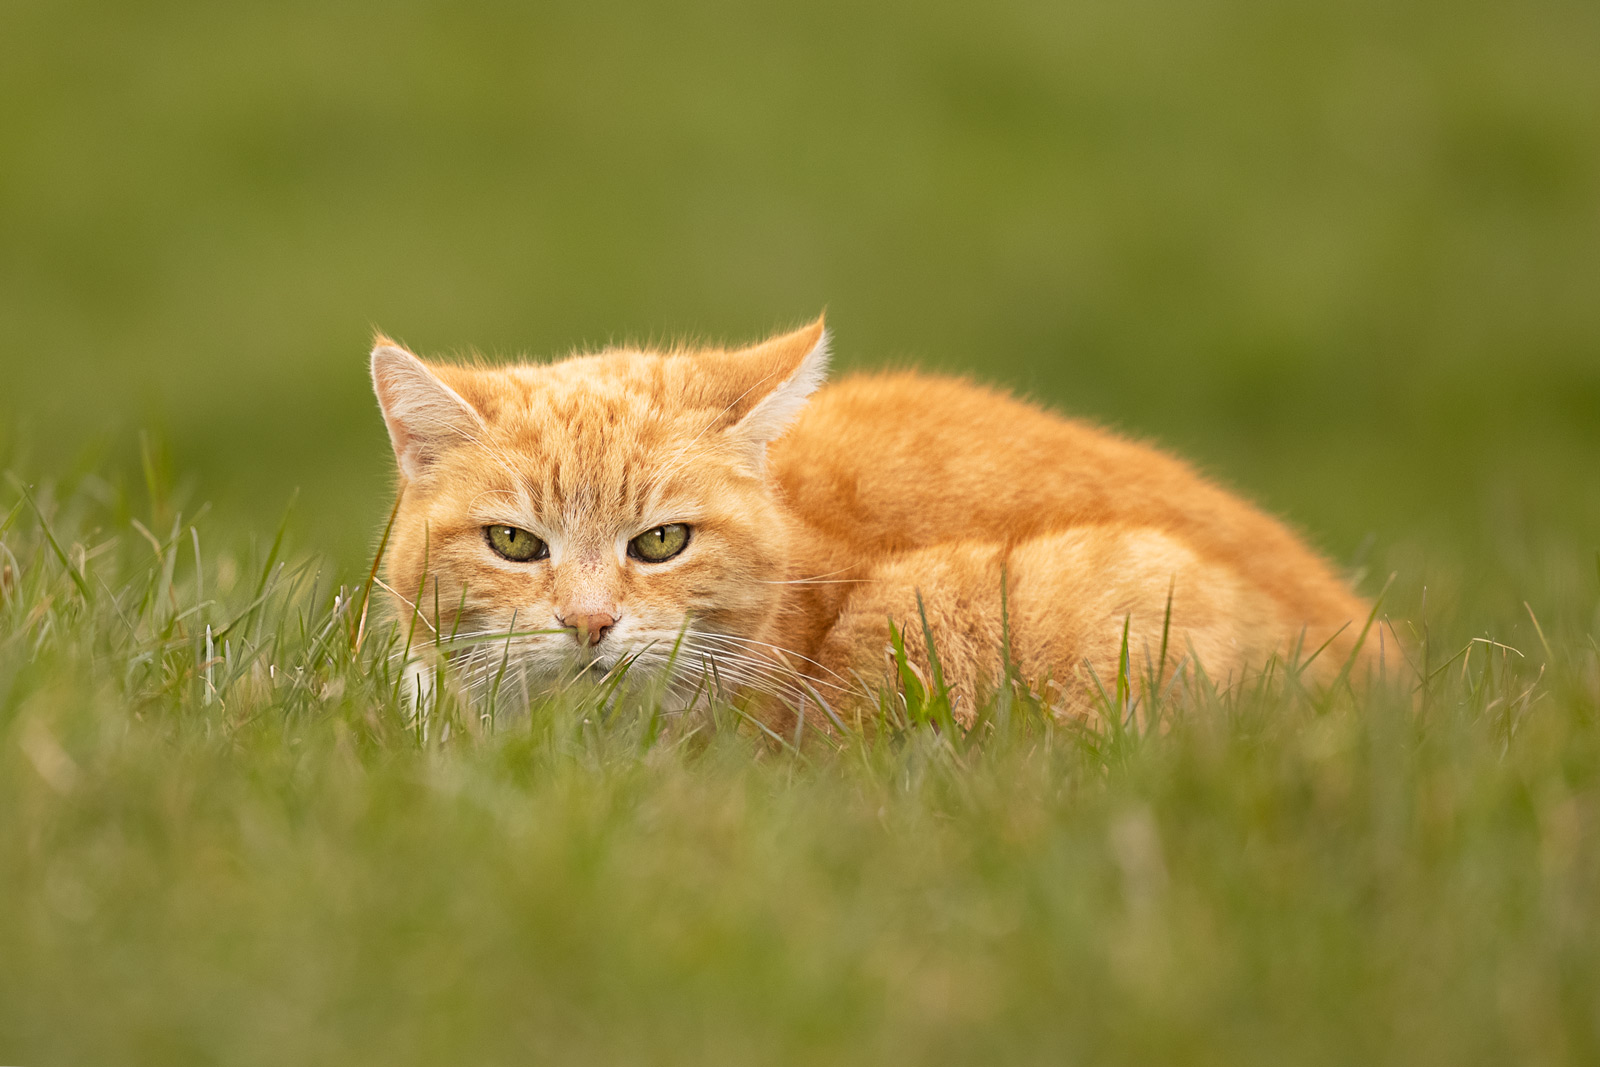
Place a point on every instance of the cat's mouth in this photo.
(606, 667)
(598, 668)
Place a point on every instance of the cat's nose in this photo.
(590, 628)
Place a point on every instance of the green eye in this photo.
(519, 546)
(660, 544)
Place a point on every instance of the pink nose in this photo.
(588, 629)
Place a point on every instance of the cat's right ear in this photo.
(790, 367)
(424, 415)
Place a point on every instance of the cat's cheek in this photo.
(527, 591)
(697, 590)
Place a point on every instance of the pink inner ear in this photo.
(424, 416)
(735, 383)
(803, 369)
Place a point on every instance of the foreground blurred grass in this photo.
(220, 839)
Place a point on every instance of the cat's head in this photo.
(618, 501)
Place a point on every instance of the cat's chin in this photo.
(602, 668)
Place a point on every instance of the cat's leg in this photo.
(956, 589)
(1068, 598)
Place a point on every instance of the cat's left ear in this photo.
(798, 363)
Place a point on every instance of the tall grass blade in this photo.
(55, 546)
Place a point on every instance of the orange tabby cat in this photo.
(717, 513)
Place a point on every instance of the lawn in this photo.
(224, 839)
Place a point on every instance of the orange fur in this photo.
(817, 519)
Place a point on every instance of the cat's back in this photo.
(912, 459)
(898, 461)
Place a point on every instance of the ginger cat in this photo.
(722, 514)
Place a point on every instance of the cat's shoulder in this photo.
(914, 409)
(926, 389)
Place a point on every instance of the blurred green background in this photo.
(1346, 255)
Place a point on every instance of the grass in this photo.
(1341, 254)
(223, 840)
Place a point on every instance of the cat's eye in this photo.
(660, 544)
(519, 546)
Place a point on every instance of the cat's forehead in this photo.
(611, 395)
(593, 430)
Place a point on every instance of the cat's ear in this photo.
(788, 369)
(424, 415)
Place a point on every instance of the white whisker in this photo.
(747, 641)
(816, 581)
(416, 611)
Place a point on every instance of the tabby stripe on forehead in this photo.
(529, 493)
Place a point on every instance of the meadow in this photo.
(1344, 255)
